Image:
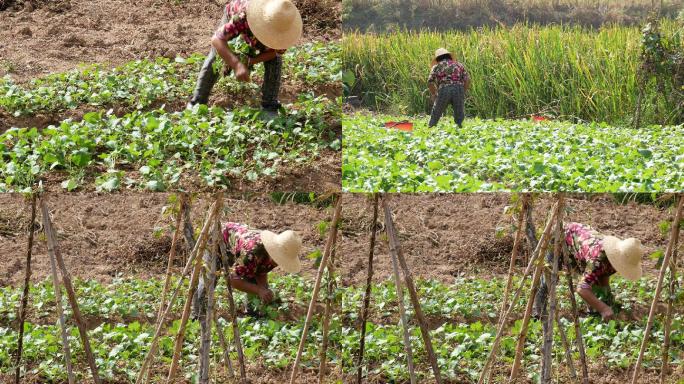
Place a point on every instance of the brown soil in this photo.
(39, 37)
(102, 236)
(443, 236)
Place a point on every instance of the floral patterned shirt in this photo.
(236, 14)
(448, 72)
(585, 246)
(246, 251)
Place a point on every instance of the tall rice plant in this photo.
(566, 72)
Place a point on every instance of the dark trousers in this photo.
(269, 89)
(453, 95)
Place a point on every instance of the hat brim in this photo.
(261, 30)
(288, 263)
(629, 272)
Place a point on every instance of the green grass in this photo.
(567, 72)
(509, 155)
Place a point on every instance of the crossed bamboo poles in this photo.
(536, 263)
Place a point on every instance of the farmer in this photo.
(253, 254)
(598, 257)
(448, 83)
(267, 28)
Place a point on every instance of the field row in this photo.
(157, 150)
(464, 313)
(142, 83)
(509, 155)
(126, 310)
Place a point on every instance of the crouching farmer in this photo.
(268, 27)
(597, 257)
(252, 255)
(448, 82)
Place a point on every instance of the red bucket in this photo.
(400, 125)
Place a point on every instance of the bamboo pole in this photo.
(317, 286)
(231, 305)
(25, 292)
(172, 253)
(665, 366)
(674, 235)
(566, 347)
(71, 294)
(547, 348)
(160, 323)
(201, 244)
(524, 206)
(576, 320)
(402, 311)
(228, 365)
(413, 295)
(206, 315)
(522, 336)
(367, 293)
(58, 297)
(532, 263)
(323, 357)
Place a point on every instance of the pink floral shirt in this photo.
(585, 246)
(448, 72)
(246, 250)
(236, 14)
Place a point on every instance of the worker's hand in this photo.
(241, 72)
(266, 295)
(607, 314)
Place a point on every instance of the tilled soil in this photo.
(40, 37)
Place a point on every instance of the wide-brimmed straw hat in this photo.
(283, 249)
(624, 255)
(275, 23)
(441, 51)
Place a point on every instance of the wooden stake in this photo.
(547, 348)
(201, 244)
(172, 253)
(566, 347)
(71, 294)
(160, 323)
(228, 365)
(524, 206)
(413, 295)
(58, 298)
(231, 305)
(578, 327)
(323, 354)
(532, 263)
(317, 286)
(674, 235)
(25, 292)
(206, 315)
(367, 293)
(402, 311)
(665, 366)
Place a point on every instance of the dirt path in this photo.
(38, 37)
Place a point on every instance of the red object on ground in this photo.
(400, 125)
(539, 118)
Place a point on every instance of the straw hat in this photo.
(624, 256)
(441, 51)
(283, 249)
(275, 23)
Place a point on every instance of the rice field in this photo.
(563, 72)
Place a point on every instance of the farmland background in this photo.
(568, 72)
(388, 15)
